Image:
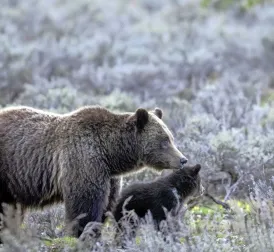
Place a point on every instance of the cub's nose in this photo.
(183, 160)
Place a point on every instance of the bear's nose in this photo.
(183, 160)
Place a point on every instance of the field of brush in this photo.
(210, 68)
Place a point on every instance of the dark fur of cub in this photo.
(164, 192)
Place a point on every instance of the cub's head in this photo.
(193, 180)
(155, 142)
(186, 180)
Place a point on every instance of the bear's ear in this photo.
(141, 118)
(158, 112)
(195, 169)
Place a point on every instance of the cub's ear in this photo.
(140, 118)
(195, 169)
(158, 112)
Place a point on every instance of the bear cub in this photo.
(165, 192)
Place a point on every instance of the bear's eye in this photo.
(165, 143)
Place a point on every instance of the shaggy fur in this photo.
(77, 158)
(166, 192)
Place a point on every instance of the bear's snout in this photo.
(183, 160)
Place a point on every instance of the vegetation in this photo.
(207, 64)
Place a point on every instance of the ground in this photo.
(219, 227)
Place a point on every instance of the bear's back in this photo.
(25, 127)
(21, 120)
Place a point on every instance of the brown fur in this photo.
(76, 158)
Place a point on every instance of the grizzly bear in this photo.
(77, 158)
(167, 192)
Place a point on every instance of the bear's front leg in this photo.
(84, 203)
(115, 187)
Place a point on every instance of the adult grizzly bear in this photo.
(76, 158)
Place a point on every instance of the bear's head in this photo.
(188, 180)
(155, 142)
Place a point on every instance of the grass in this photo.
(60, 243)
(205, 227)
(217, 222)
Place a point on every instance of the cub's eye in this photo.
(165, 144)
